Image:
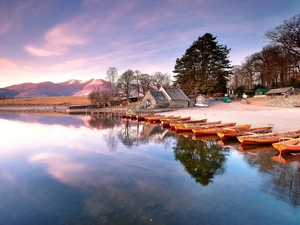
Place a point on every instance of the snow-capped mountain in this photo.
(67, 88)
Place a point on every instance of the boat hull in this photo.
(268, 138)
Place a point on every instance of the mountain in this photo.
(44, 89)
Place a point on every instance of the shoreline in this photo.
(281, 119)
(255, 114)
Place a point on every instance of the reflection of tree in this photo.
(102, 121)
(134, 133)
(125, 134)
(108, 123)
(281, 180)
(201, 159)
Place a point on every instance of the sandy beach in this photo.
(255, 114)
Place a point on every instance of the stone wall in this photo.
(153, 103)
(179, 104)
(291, 101)
(278, 101)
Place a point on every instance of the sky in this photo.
(60, 40)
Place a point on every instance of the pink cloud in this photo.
(5, 64)
(59, 40)
(36, 51)
(4, 26)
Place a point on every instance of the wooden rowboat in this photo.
(167, 122)
(181, 123)
(189, 127)
(234, 132)
(142, 116)
(211, 129)
(288, 145)
(166, 118)
(268, 138)
(156, 118)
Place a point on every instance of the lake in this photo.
(62, 169)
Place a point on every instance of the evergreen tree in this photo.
(204, 68)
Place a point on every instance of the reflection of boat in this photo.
(255, 148)
(236, 131)
(268, 138)
(287, 158)
(206, 137)
(167, 122)
(181, 127)
(288, 145)
(231, 143)
(211, 129)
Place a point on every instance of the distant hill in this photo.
(44, 89)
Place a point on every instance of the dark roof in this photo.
(176, 94)
(158, 96)
(262, 89)
(279, 90)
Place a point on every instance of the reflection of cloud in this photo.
(60, 166)
(8, 177)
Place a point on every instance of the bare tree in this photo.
(159, 79)
(100, 97)
(287, 35)
(138, 82)
(125, 83)
(145, 83)
(112, 75)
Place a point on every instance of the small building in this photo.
(202, 99)
(154, 100)
(175, 97)
(284, 92)
(261, 91)
(192, 99)
(164, 98)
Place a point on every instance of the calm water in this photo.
(88, 170)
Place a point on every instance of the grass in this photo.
(54, 101)
(59, 100)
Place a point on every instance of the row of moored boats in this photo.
(284, 141)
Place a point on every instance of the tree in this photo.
(159, 79)
(138, 82)
(287, 35)
(145, 83)
(204, 67)
(112, 77)
(125, 83)
(100, 97)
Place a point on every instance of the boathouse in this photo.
(202, 99)
(165, 98)
(283, 92)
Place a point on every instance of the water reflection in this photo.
(202, 159)
(114, 171)
(280, 180)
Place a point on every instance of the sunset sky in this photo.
(59, 40)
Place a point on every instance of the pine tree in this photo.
(204, 68)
